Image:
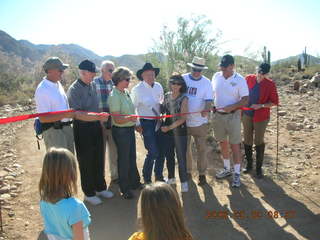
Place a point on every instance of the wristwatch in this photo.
(262, 105)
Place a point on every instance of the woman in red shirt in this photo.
(262, 96)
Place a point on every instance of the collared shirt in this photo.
(199, 91)
(121, 102)
(228, 91)
(104, 89)
(147, 99)
(51, 97)
(83, 96)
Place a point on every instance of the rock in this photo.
(11, 214)
(282, 113)
(294, 184)
(303, 89)
(303, 108)
(291, 126)
(10, 178)
(5, 196)
(4, 189)
(3, 173)
(16, 165)
(7, 169)
(296, 86)
(297, 104)
(6, 207)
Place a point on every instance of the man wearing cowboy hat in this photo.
(147, 97)
(200, 98)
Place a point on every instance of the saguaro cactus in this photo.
(266, 55)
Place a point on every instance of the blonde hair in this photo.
(121, 73)
(59, 175)
(162, 214)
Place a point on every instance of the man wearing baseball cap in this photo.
(50, 97)
(230, 92)
(88, 137)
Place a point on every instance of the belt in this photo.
(225, 113)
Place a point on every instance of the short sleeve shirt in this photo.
(121, 102)
(59, 217)
(199, 91)
(83, 96)
(228, 91)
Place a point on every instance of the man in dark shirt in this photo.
(82, 96)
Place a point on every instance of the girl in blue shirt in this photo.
(65, 217)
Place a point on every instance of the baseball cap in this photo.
(88, 66)
(54, 63)
(226, 60)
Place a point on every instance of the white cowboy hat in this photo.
(198, 63)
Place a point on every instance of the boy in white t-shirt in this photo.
(200, 97)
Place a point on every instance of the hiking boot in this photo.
(260, 157)
(223, 173)
(248, 156)
(202, 180)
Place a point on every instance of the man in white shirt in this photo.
(50, 96)
(230, 93)
(147, 97)
(200, 99)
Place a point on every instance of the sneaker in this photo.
(94, 200)
(128, 195)
(236, 180)
(105, 194)
(171, 181)
(223, 173)
(202, 180)
(184, 187)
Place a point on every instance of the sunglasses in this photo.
(175, 83)
(196, 70)
(127, 79)
(110, 70)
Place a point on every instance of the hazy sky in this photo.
(128, 27)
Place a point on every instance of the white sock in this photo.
(226, 164)
(237, 168)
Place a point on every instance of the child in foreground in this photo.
(161, 214)
(65, 217)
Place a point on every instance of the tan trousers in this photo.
(59, 138)
(199, 135)
(112, 152)
(253, 129)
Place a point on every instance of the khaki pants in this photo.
(59, 138)
(227, 127)
(112, 152)
(251, 128)
(199, 135)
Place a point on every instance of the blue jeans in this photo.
(171, 145)
(151, 140)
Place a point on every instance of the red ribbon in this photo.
(29, 116)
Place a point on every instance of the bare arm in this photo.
(56, 117)
(77, 230)
(123, 119)
(243, 102)
(89, 117)
(181, 120)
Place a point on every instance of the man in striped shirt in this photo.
(104, 87)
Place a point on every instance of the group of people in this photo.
(190, 98)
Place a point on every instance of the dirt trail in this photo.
(246, 208)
